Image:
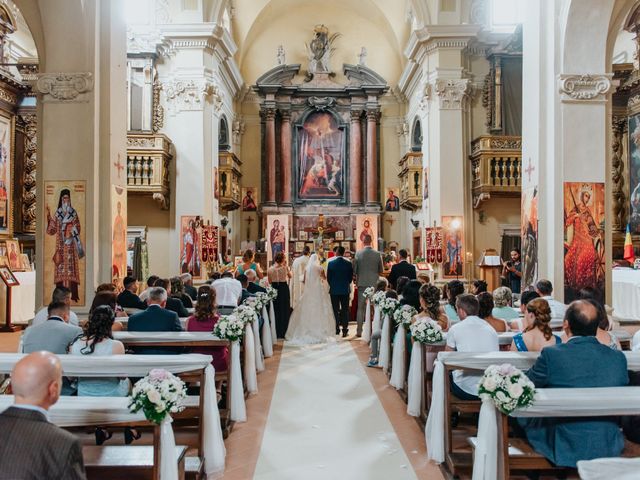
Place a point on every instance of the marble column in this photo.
(372, 158)
(270, 148)
(285, 157)
(355, 156)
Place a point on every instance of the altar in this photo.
(626, 293)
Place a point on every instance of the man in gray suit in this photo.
(31, 448)
(54, 335)
(367, 268)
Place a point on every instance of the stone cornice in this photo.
(584, 87)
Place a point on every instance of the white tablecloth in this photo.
(626, 293)
(609, 468)
(23, 298)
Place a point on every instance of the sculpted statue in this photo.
(362, 57)
(320, 49)
(280, 55)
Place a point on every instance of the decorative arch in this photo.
(31, 12)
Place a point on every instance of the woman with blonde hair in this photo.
(502, 298)
(537, 332)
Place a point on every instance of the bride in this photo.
(312, 320)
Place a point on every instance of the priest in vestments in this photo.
(298, 268)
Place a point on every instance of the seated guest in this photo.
(54, 335)
(244, 281)
(107, 287)
(400, 284)
(151, 281)
(544, 288)
(109, 298)
(156, 319)
(213, 276)
(228, 290)
(605, 324)
(536, 333)
(485, 300)
(402, 269)
(30, 446)
(471, 334)
(59, 295)
(376, 336)
(177, 291)
(382, 285)
(128, 297)
(582, 362)
(502, 298)
(173, 304)
(189, 289)
(478, 287)
(424, 278)
(204, 320)
(454, 288)
(253, 286)
(430, 305)
(411, 294)
(525, 298)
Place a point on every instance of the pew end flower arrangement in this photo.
(368, 293)
(507, 387)
(425, 330)
(272, 293)
(231, 327)
(158, 394)
(404, 315)
(389, 306)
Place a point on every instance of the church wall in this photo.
(144, 211)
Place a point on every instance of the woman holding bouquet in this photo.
(537, 332)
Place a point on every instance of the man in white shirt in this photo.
(228, 290)
(545, 289)
(60, 295)
(471, 334)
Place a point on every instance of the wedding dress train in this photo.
(312, 320)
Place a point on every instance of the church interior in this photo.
(484, 150)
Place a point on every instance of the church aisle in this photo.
(326, 421)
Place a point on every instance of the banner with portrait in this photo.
(64, 241)
(366, 225)
(190, 246)
(119, 234)
(453, 248)
(209, 244)
(277, 235)
(434, 250)
(320, 152)
(529, 234)
(584, 254)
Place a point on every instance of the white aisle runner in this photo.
(326, 422)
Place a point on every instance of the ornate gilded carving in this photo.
(158, 109)
(63, 87)
(8, 97)
(452, 92)
(619, 203)
(29, 176)
(584, 87)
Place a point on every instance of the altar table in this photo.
(23, 298)
(626, 293)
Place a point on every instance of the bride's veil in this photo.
(311, 272)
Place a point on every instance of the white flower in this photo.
(515, 390)
(501, 397)
(489, 384)
(154, 397)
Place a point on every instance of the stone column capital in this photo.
(584, 87)
(285, 115)
(452, 92)
(355, 115)
(63, 87)
(373, 115)
(268, 113)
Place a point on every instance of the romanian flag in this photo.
(628, 246)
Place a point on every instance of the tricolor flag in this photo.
(628, 247)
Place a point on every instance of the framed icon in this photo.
(346, 245)
(339, 234)
(8, 277)
(13, 254)
(302, 235)
(299, 246)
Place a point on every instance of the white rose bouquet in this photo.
(262, 300)
(245, 313)
(404, 314)
(378, 298)
(157, 395)
(272, 293)
(508, 388)
(368, 293)
(426, 330)
(229, 327)
(389, 306)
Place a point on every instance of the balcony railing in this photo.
(148, 163)
(496, 165)
(411, 177)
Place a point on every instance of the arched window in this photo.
(416, 136)
(223, 135)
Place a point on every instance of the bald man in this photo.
(30, 446)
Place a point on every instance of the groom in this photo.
(339, 277)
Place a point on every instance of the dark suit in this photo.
(128, 299)
(191, 291)
(31, 448)
(582, 362)
(174, 304)
(155, 319)
(339, 277)
(255, 288)
(401, 269)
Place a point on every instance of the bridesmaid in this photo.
(248, 263)
(279, 275)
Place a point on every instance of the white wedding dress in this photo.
(312, 320)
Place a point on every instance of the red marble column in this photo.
(270, 144)
(285, 157)
(372, 160)
(355, 159)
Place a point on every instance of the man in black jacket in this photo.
(128, 297)
(402, 269)
(156, 319)
(253, 286)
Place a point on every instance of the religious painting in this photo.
(452, 235)
(13, 255)
(321, 144)
(119, 234)
(529, 234)
(6, 180)
(425, 183)
(366, 225)
(299, 247)
(8, 277)
(584, 260)
(303, 235)
(634, 172)
(249, 199)
(434, 249)
(210, 244)
(346, 245)
(392, 201)
(190, 246)
(25, 263)
(277, 236)
(64, 240)
(339, 234)
(216, 191)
